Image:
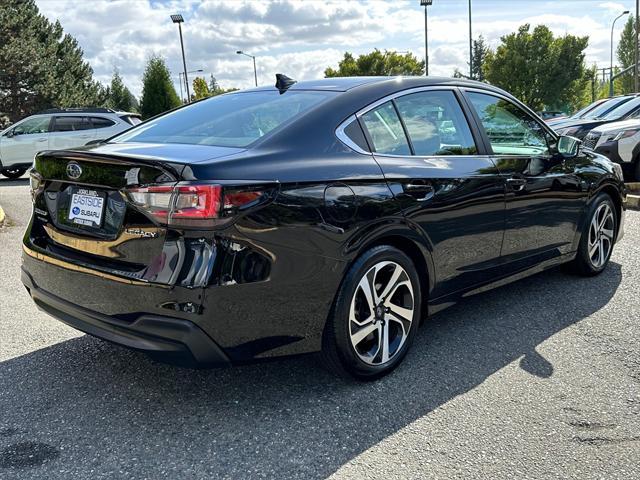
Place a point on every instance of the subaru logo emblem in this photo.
(74, 170)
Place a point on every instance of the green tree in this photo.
(213, 84)
(377, 63)
(625, 53)
(40, 66)
(200, 88)
(480, 52)
(540, 69)
(158, 93)
(119, 97)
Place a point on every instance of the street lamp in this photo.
(180, 74)
(470, 45)
(425, 4)
(177, 18)
(626, 12)
(255, 72)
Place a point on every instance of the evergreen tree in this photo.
(158, 93)
(626, 55)
(119, 97)
(40, 66)
(213, 84)
(480, 52)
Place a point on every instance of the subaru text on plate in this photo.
(330, 215)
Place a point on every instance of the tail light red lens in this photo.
(191, 205)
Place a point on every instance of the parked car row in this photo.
(56, 129)
(611, 127)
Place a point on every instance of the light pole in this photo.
(626, 12)
(177, 18)
(255, 72)
(470, 45)
(425, 4)
(180, 74)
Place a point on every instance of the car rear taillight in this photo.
(193, 205)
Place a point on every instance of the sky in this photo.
(300, 38)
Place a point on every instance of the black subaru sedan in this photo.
(331, 215)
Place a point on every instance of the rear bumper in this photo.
(171, 339)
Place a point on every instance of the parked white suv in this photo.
(57, 129)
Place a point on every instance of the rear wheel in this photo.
(598, 237)
(13, 173)
(375, 316)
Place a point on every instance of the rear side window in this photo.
(385, 130)
(71, 124)
(435, 123)
(100, 122)
(234, 120)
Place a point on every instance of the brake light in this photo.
(192, 205)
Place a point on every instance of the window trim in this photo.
(552, 135)
(467, 111)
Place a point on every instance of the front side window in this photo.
(385, 130)
(435, 123)
(32, 125)
(511, 130)
(233, 120)
(71, 124)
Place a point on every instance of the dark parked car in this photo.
(330, 215)
(551, 115)
(580, 128)
(598, 108)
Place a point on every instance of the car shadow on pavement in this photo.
(84, 406)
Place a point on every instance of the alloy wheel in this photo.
(601, 233)
(381, 313)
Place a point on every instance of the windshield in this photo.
(233, 120)
(623, 110)
(606, 107)
(587, 109)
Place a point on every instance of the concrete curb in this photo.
(633, 197)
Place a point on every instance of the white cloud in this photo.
(302, 37)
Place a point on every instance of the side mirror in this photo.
(568, 147)
(10, 133)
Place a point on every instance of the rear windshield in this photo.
(233, 120)
(132, 119)
(623, 109)
(606, 107)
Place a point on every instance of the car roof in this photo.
(343, 84)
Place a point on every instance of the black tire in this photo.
(589, 263)
(636, 171)
(13, 173)
(339, 353)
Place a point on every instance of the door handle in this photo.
(420, 191)
(42, 140)
(516, 183)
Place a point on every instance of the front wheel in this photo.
(13, 173)
(598, 237)
(375, 316)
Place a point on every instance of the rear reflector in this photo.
(192, 205)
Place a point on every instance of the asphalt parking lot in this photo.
(540, 379)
